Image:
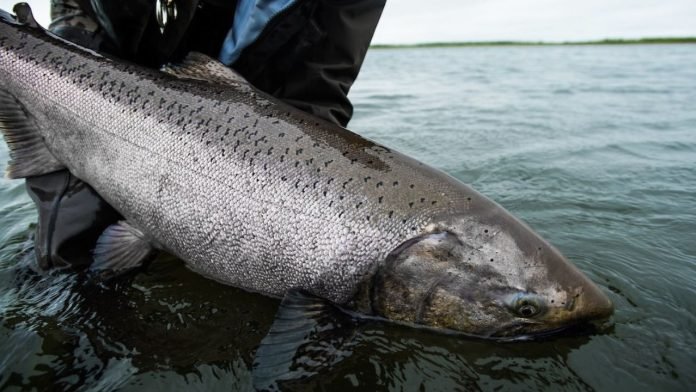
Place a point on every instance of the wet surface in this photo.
(594, 147)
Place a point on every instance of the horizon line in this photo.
(605, 41)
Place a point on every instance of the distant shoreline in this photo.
(641, 41)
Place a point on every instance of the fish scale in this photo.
(245, 189)
(256, 194)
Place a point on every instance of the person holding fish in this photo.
(249, 191)
(304, 52)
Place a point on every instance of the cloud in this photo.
(412, 21)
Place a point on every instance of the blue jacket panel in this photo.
(250, 19)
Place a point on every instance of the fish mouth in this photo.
(516, 332)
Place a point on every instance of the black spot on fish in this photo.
(391, 213)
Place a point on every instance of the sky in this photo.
(418, 21)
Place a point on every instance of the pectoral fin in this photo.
(28, 152)
(309, 335)
(120, 248)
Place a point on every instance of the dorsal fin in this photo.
(201, 67)
(28, 151)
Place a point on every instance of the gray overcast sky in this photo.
(414, 21)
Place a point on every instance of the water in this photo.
(593, 146)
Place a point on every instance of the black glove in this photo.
(71, 214)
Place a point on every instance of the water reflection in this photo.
(169, 326)
(393, 357)
(112, 333)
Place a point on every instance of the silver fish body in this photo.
(254, 193)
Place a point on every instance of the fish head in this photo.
(485, 274)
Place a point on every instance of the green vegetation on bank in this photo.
(642, 41)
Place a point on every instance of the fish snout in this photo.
(593, 306)
(586, 307)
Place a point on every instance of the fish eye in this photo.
(526, 305)
(527, 310)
